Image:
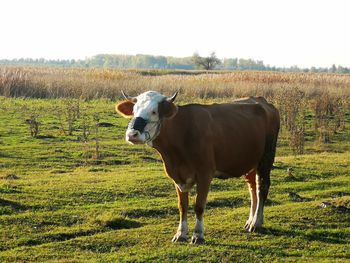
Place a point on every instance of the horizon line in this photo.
(170, 56)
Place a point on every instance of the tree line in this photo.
(162, 62)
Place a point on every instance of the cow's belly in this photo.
(230, 174)
(235, 165)
(222, 175)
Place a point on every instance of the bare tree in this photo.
(207, 63)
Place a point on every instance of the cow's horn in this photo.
(126, 96)
(172, 98)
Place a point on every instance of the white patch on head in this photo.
(146, 107)
(147, 103)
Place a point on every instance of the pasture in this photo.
(74, 191)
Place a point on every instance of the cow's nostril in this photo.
(133, 134)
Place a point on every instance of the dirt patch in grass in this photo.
(10, 176)
(118, 223)
(59, 171)
(343, 201)
(295, 197)
(99, 169)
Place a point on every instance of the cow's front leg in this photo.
(182, 231)
(201, 199)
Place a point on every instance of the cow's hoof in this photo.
(179, 238)
(197, 240)
(254, 228)
(247, 224)
(253, 225)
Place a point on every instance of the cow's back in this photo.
(272, 114)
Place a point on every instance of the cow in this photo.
(200, 142)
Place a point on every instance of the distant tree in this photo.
(342, 70)
(207, 63)
(313, 69)
(250, 64)
(230, 63)
(334, 68)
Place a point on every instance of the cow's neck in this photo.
(167, 145)
(162, 142)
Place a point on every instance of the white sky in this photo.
(279, 32)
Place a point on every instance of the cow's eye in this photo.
(154, 113)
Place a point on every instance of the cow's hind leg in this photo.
(201, 199)
(250, 179)
(263, 183)
(182, 231)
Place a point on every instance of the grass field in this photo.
(64, 198)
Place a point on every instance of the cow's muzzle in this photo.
(137, 124)
(133, 136)
(136, 130)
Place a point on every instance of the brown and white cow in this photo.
(199, 142)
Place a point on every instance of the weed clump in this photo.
(329, 111)
(109, 221)
(33, 125)
(291, 102)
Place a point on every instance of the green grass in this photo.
(58, 204)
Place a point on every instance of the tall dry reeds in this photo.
(326, 96)
(96, 83)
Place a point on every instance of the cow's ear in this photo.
(167, 109)
(125, 108)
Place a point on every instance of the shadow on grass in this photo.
(150, 159)
(270, 202)
(104, 226)
(254, 252)
(225, 202)
(317, 235)
(55, 237)
(108, 162)
(47, 136)
(11, 204)
(162, 212)
(332, 194)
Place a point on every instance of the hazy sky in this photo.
(279, 32)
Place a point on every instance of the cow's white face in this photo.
(147, 110)
(144, 125)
